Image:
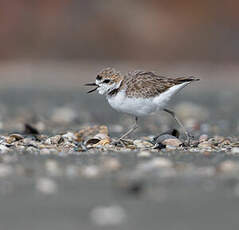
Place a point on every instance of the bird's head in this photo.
(106, 80)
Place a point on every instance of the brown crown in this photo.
(110, 73)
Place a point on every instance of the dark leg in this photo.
(131, 130)
(180, 123)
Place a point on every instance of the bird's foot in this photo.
(189, 141)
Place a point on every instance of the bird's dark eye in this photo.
(98, 77)
(106, 81)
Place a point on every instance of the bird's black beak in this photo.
(92, 84)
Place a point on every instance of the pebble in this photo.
(10, 140)
(174, 142)
(32, 150)
(144, 154)
(4, 149)
(139, 143)
(63, 115)
(5, 170)
(69, 136)
(216, 140)
(53, 168)
(162, 162)
(229, 166)
(111, 164)
(20, 148)
(204, 145)
(158, 162)
(167, 139)
(17, 136)
(99, 139)
(142, 144)
(54, 140)
(29, 141)
(90, 171)
(95, 140)
(46, 186)
(203, 138)
(113, 215)
(45, 151)
(235, 150)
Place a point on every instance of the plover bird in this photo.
(139, 93)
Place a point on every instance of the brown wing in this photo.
(149, 84)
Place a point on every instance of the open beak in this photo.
(92, 84)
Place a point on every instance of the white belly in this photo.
(135, 106)
(142, 106)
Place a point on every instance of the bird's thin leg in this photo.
(180, 123)
(130, 130)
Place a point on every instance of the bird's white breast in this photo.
(142, 106)
(135, 106)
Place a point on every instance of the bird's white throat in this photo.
(106, 88)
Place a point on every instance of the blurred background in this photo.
(74, 39)
(96, 30)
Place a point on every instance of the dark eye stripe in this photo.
(98, 77)
(106, 81)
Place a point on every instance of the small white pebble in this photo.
(229, 166)
(5, 170)
(63, 115)
(139, 144)
(155, 163)
(32, 150)
(53, 168)
(53, 140)
(173, 142)
(45, 151)
(20, 148)
(144, 154)
(53, 151)
(4, 149)
(48, 141)
(29, 141)
(161, 162)
(111, 164)
(69, 136)
(108, 215)
(91, 171)
(46, 186)
(235, 150)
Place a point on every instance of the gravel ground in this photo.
(59, 168)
